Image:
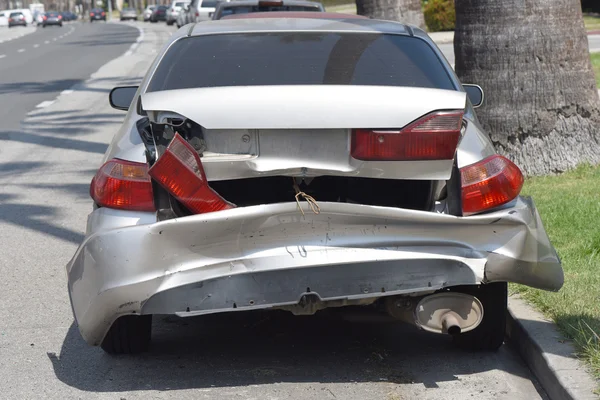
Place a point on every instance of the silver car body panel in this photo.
(123, 270)
(268, 256)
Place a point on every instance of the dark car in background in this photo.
(97, 14)
(247, 7)
(68, 16)
(16, 19)
(159, 14)
(52, 18)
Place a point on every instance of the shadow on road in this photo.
(238, 349)
(52, 141)
(35, 217)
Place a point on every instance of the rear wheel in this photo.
(489, 335)
(129, 334)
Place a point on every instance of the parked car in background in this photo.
(26, 13)
(202, 10)
(4, 18)
(97, 14)
(375, 186)
(261, 6)
(177, 7)
(52, 18)
(159, 14)
(68, 16)
(128, 14)
(147, 14)
(16, 19)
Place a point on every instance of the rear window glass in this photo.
(52, 14)
(16, 14)
(292, 58)
(180, 4)
(253, 9)
(209, 3)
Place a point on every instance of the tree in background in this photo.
(407, 11)
(531, 58)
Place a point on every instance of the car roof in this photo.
(245, 25)
(295, 14)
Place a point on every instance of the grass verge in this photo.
(570, 208)
(592, 22)
(596, 65)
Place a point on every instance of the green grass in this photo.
(596, 65)
(592, 22)
(569, 205)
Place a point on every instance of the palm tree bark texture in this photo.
(405, 11)
(532, 60)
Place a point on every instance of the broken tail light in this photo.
(432, 137)
(489, 183)
(179, 170)
(123, 185)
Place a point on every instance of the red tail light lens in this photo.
(103, 14)
(124, 185)
(179, 170)
(489, 183)
(197, 14)
(45, 18)
(60, 17)
(432, 137)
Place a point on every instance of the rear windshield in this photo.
(180, 4)
(208, 3)
(293, 58)
(252, 9)
(16, 14)
(52, 14)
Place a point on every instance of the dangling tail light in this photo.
(432, 137)
(489, 183)
(124, 185)
(179, 170)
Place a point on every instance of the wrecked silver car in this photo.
(303, 164)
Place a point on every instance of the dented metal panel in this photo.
(118, 271)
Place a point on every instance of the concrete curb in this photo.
(551, 358)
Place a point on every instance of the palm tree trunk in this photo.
(531, 58)
(406, 11)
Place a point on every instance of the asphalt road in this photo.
(448, 48)
(46, 163)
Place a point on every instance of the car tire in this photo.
(489, 335)
(129, 334)
(43, 26)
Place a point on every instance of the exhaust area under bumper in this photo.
(272, 256)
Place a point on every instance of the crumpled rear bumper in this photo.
(271, 255)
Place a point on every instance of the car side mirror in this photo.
(475, 93)
(121, 97)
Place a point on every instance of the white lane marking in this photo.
(46, 41)
(35, 46)
(20, 50)
(128, 53)
(2, 55)
(68, 91)
(45, 104)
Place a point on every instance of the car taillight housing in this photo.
(124, 185)
(179, 170)
(489, 183)
(431, 137)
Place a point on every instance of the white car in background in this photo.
(4, 18)
(202, 10)
(26, 13)
(176, 8)
(148, 13)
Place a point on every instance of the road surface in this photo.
(56, 126)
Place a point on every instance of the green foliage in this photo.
(439, 15)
